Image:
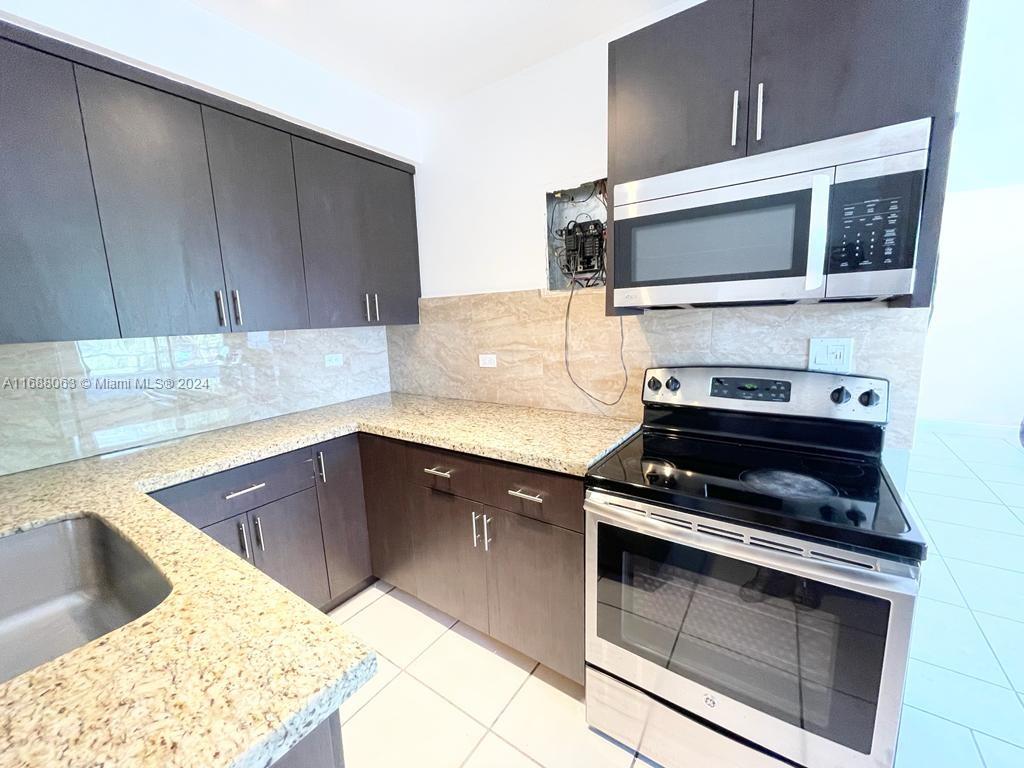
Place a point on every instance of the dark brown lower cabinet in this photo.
(289, 545)
(233, 533)
(320, 749)
(535, 590)
(451, 566)
(339, 491)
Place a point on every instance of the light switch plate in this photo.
(488, 361)
(832, 355)
(334, 360)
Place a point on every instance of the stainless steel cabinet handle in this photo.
(445, 473)
(245, 539)
(376, 307)
(367, 297)
(525, 496)
(236, 299)
(487, 536)
(476, 536)
(222, 317)
(259, 535)
(323, 469)
(244, 491)
(760, 109)
(735, 114)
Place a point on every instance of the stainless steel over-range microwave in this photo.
(830, 220)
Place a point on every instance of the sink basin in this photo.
(64, 584)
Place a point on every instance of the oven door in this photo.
(804, 658)
(759, 241)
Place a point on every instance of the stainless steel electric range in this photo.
(751, 574)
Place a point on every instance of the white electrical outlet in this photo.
(334, 360)
(831, 355)
(488, 361)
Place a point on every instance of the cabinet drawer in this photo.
(211, 499)
(445, 471)
(547, 496)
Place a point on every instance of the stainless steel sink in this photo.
(64, 584)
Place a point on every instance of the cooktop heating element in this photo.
(793, 485)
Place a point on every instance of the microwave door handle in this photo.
(817, 237)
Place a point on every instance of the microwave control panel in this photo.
(873, 223)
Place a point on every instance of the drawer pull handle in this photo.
(323, 468)
(487, 536)
(244, 491)
(259, 535)
(525, 496)
(245, 540)
(476, 536)
(437, 472)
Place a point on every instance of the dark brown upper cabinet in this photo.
(55, 280)
(258, 220)
(828, 68)
(359, 244)
(677, 91)
(152, 179)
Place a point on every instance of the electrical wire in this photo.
(565, 353)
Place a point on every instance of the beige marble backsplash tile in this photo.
(241, 377)
(525, 329)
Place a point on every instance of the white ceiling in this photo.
(420, 53)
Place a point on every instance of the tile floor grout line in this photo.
(1010, 688)
(962, 725)
(914, 492)
(343, 623)
(375, 695)
(976, 527)
(1007, 687)
(994, 738)
(996, 616)
(490, 728)
(975, 562)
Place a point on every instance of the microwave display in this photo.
(874, 223)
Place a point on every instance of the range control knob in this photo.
(869, 398)
(653, 384)
(672, 384)
(840, 395)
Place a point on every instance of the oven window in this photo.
(739, 242)
(803, 651)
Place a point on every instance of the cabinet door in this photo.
(394, 255)
(453, 570)
(258, 221)
(289, 545)
(535, 588)
(393, 549)
(321, 748)
(832, 67)
(339, 491)
(152, 182)
(233, 533)
(671, 89)
(55, 280)
(334, 211)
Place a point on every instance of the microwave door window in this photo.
(805, 652)
(738, 244)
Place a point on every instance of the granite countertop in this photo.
(231, 669)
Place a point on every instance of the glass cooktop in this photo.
(840, 499)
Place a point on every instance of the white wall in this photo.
(490, 157)
(189, 44)
(974, 355)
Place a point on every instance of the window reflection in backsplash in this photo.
(146, 390)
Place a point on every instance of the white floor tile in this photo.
(386, 672)
(1009, 493)
(989, 450)
(1007, 639)
(927, 741)
(495, 753)
(356, 603)
(937, 583)
(1002, 550)
(944, 485)
(997, 473)
(999, 754)
(939, 465)
(407, 724)
(477, 674)
(547, 721)
(949, 637)
(929, 444)
(965, 700)
(990, 590)
(399, 626)
(977, 514)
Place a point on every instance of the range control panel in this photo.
(873, 223)
(775, 390)
(815, 394)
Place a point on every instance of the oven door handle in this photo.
(817, 235)
(837, 573)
